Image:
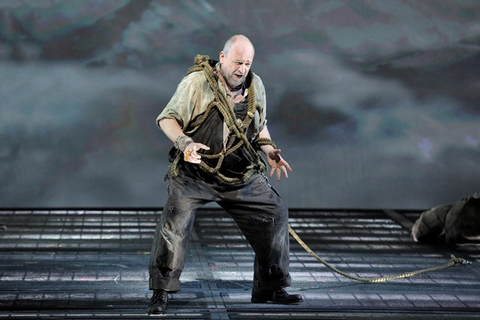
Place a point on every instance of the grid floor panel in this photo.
(92, 264)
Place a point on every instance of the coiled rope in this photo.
(454, 261)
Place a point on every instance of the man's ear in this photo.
(221, 56)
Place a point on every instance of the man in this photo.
(216, 119)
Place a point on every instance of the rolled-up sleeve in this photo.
(186, 102)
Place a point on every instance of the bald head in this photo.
(238, 40)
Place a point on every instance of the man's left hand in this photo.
(278, 164)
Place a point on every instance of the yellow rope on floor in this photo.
(454, 261)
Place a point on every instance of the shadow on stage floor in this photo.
(92, 264)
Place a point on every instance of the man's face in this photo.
(236, 64)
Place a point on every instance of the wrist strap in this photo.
(182, 142)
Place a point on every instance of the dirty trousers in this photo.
(256, 208)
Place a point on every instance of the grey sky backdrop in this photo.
(375, 103)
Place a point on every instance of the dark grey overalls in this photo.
(253, 204)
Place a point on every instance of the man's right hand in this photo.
(190, 153)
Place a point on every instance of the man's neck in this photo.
(236, 89)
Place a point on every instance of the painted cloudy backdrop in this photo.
(375, 103)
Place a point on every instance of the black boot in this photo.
(280, 296)
(158, 302)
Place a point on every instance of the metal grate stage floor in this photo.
(92, 264)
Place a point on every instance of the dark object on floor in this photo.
(450, 224)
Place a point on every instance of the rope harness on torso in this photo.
(238, 128)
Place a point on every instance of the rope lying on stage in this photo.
(454, 261)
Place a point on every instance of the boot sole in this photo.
(276, 302)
